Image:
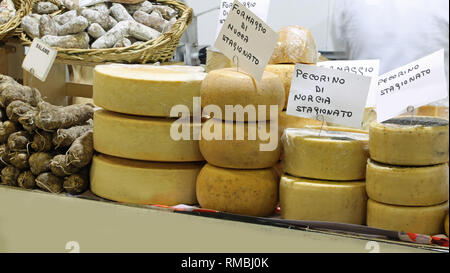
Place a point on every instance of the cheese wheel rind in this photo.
(318, 200)
(141, 182)
(141, 138)
(287, 121)
(410, 141)
(245, 192)
(285, 72)
(407, 186)
(421, 220)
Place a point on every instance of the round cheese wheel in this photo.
(433, 111)
(407, 186)
(326, 127)
(242, 152)
(287, 121)
(318, 200)
(328, 155)
(146, 90)
(245, 192)
(410, 141)
(295, 45)
(285, 72)
(420, 220)
(142, 138)
(142, 182)
(228, 87)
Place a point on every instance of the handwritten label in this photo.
(415, 84)
(246, 40)
(39, 59)
(329, 95)
(369, 68)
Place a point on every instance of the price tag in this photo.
(415, 84)
(39, 59)
(328, 95)
(246, 40)
(369, 68)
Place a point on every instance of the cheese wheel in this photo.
(146, 90)
(242, 152)
(142, 182)
(216, 60)
(420, 220)
(142, 138)
(407, 186)
(285, 72)
(245, 192)
(295, 45)
(228, 87)
(433, 111)
(328, 155)
(287, 121)
(318, 200)
(410, 141)
(446, 225)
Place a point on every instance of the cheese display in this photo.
(227, 86)
(295, 45)
(143, 138)
(421, 220)
(246, 192)
(146, 90)
(285, 72)
(408, 186)
(236, 149)
(328, 155)
(139, 182)
(287, 121)
(318, 200)
(410, 141)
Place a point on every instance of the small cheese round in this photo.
(245, 192)
(142, 138)
(242, 152)
(318, 200)
(295, 45)
(285, 72)
(328, 155)
(287, 121)
(410, 141)
(142, 182)
(407, 186)
(420, 220)
(146, 90)
(228, 87)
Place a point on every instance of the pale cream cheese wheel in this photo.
(146, 90)
(319, 200)
(410, 141)
(285, 72)
(407, 186)
(141, 182)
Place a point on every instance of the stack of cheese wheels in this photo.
(146, 157)
(325, 172)
(241, 148)
(408, 174)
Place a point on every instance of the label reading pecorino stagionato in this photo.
(247, 40)
(39, 59)
(328, 95)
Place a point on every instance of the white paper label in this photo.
(258, 7)
(369, 68)
(415, 84)
(39, 59)
(328, 95)
(246, 40)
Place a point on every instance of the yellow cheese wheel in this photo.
(146, 90)
(407, 186)
(228, 87)
(287, 121)
(141, 138)
(328, 127)
(318, 200)
(410, 141)
(241, 153)
(328, 155)
(421, 220)
(433, 111)
(446, 225)
(245, 192)
(142, 182)
(285, 72)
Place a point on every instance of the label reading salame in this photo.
(39, 59)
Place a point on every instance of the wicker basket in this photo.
(160, 49)
(10, 28)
